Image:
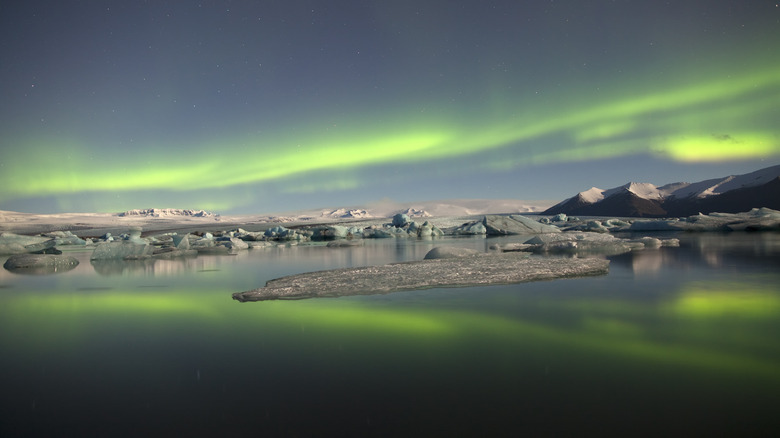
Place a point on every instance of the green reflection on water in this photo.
(718, 300)
(684, 329)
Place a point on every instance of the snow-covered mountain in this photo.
(167, 212)
(729, 194)
(346, 213)
(387, 208)
(414, 212)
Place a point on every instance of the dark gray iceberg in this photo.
(477, 270)
(40, 264)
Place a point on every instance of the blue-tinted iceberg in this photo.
(11, 243)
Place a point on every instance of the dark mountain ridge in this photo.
(732, 194)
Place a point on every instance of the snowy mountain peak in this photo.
(643, 190)
(593, 194)
(727, 194)
(166, 212)
(717, 186)
(413, 212)
(345, 213)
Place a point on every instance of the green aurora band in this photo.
(713, 120)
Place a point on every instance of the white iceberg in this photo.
(497, 225)
(11, 243)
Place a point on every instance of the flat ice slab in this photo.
(478, 270)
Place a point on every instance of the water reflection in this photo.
(665, 334)
(753, 251)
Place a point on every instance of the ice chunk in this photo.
(512, 247)
(220, 245)
(582, 243)
(332, 232)
(40, 263)
(427, 229)
(65, 238)
(377, 233)
(596, 227)
(471, 228)
(400, 220)
(757, 219)
(135, 236)
(515, 224)
(495, 268)
(281, 233)
(181, 242)
(11, 243)
(261, 244)
(657, 225)
(233, 243)
(121, 250)
(649, 242)
(449, 252)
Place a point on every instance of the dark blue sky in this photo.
(251, 106)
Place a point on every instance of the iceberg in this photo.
(581, 243)
(11, 243)
(377, 233)
(757, 219)
(40, 263)
(232, 243)
(515, 224)
(400, 220)
(281, 233)
(121, 250)
(335, 232)
(181, 242)
(450, 252)
(593, 243)
(65, 238)
(477, 270)
(135, 236)
(470, 228)
(178, 246)
(427, 229)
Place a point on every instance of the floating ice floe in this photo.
(757, 219)
(498, 225)
(225, 245)
(471, 228)
(40, 263)
(62, 238)
(592, 243)
(281, 233)
(11, 243)
(450, 252)
(122, 250)
(474, 270)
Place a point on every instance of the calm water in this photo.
(677, 341)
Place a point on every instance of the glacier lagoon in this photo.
(673, 341)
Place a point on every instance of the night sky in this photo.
(272, 106)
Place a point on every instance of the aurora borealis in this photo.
(248, 107)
